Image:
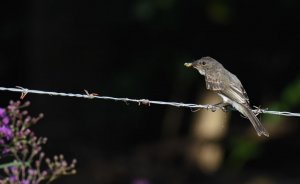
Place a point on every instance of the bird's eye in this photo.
(203, 63)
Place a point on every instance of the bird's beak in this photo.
(188, 64)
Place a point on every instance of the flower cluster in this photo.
(21, 156)
(5, 131)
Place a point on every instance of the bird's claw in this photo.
(225, 109)
(213, 108)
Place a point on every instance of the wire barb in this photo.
(193, 107)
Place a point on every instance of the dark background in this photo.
(136, 49)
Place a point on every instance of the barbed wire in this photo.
(193, 107)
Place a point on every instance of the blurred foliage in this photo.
(148, 9)
(219, 11)
(243, 149)
(290, 98)
(291, 95)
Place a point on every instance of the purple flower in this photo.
(5, 150)
(13, 179)
(5, 120)
(3, 116)
(24, 182)
(19, 143)
(2, 112)
(6, 132)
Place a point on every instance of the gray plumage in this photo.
(229, 87)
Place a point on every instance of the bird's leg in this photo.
(224, 106)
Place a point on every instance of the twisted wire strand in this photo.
(25, 91)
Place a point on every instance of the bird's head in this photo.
(203, 64)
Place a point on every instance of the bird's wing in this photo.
(231, 87)
(236, 93)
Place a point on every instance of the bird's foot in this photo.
(225, 107)
(213, 108)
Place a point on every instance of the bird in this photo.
(229, 88)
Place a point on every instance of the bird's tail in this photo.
(260, 129)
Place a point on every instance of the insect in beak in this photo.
(188, 64)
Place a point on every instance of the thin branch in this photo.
(147, 102)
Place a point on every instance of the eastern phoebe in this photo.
(229, 87)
